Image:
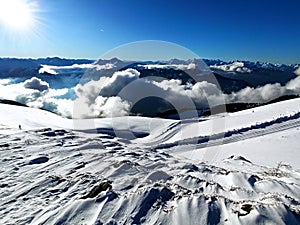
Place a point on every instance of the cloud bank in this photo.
(171, 66)
(117, 94)
(54, 69)
(38, 94)
(122, 90)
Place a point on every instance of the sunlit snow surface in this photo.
(57, 171)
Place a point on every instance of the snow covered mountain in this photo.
(8, 65)
(236, 168)
(13, 67)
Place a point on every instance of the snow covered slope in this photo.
(216, 170)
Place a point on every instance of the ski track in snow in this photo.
(61, 176)
(257, 130)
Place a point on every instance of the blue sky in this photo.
(262, 30)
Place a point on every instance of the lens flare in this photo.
(17, 14)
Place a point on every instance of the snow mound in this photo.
(96, 185)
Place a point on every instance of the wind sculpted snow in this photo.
(52, 172)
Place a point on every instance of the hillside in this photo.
(220, 169)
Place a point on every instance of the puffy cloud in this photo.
(238, 67)
(294, 85)
(5, 81)
(62, 107)
(36, 84)
(118, 81)
(258, 95)
(111, 107)
(48, 69)
(99, 98)
(116, 94)
(36, 93)
(203, 94)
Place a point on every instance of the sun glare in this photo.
(17, 14)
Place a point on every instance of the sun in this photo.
(17, 14)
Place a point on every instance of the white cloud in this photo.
(36, 84)
(37, 93)
(63, 107)
(54, 69)
(238, 67)
(294, 85)
(115, 95)
(170, 66)
(111, 107)
(99, 98)
(118, 81)
(258, 95)
(5, 81)
(47, 69)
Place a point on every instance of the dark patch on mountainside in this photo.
(227, 85)
(261, 77)
(229, 108)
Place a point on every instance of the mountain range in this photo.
(232, 76)
(208, 83)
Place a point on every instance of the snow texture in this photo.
(61, 171)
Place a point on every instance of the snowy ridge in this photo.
(250, 119)
(53, 174)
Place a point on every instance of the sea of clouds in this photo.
(115, 94)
